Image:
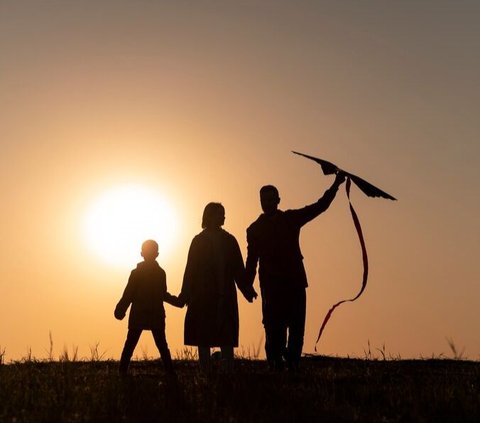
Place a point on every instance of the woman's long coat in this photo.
(213, 267)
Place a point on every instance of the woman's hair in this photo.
(212, 214)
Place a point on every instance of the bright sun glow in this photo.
(122, 218)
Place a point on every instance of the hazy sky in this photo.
(203, 101)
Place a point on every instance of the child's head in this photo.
(149, 250)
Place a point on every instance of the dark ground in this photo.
(325, 390)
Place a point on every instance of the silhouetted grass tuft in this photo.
(456, 354)
(2, 354)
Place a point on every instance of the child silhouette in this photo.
(146, 291)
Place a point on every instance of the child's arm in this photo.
(126, 300)
(173, 300)
(120, 310)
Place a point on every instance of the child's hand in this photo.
(119, 314)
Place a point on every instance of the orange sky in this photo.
(203, 101)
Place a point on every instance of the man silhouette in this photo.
(273, 242)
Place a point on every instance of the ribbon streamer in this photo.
(358, 227)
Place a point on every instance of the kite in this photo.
(368, 189)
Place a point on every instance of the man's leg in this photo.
(133, 336)
(161, 343)
(296, 325)
(274, 321)
(265, 321)
(278, 335)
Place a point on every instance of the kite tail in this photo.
(358, 227)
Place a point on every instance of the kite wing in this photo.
(327, 167)
(366, 187)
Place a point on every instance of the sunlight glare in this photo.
(122, 218)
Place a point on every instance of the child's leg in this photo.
(133, 336)
(161, 343)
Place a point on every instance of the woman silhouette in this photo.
(214, 266)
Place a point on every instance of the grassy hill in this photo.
(326, 390)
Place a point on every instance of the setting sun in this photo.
(122, 218)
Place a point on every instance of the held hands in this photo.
(174, 300)
(177, 301)
(250, 294)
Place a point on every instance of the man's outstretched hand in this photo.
(340, 178)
